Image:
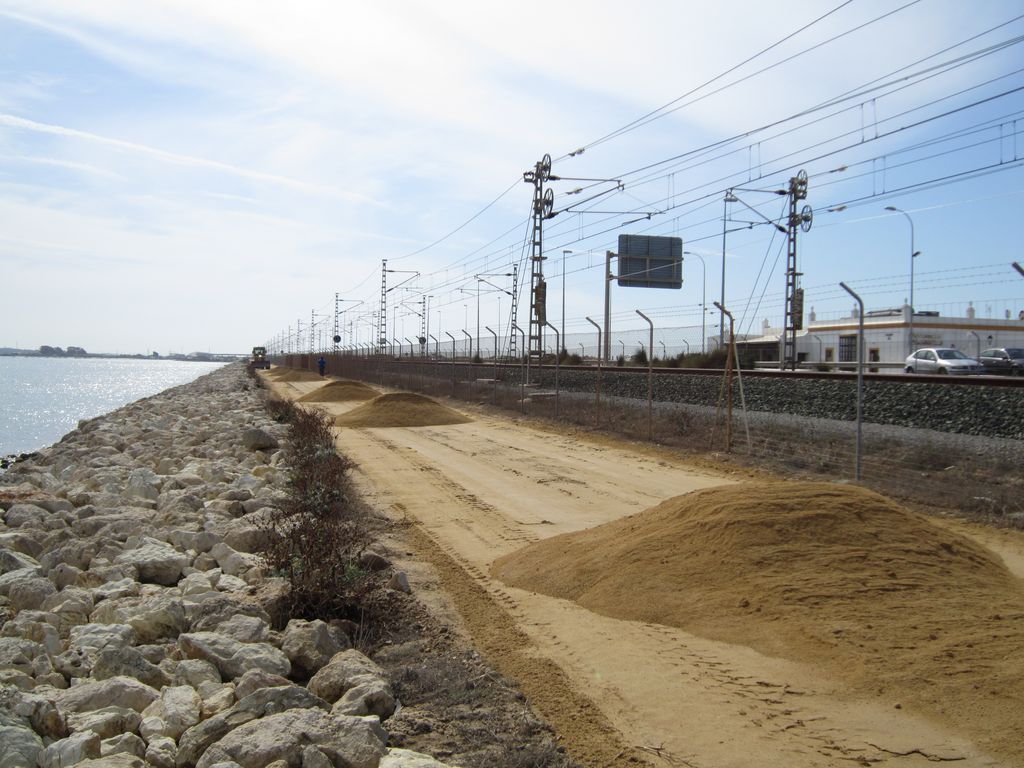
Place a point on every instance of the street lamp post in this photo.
(704, 291)
(913, 255)
(729, 198)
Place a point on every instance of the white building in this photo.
(887, 337)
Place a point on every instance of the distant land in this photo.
(78, 352)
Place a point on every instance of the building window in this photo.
(848, 349)
(829, 354)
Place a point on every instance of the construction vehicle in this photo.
(259, 358)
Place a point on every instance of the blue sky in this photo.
(187, 175)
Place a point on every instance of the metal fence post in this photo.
(650, 379)
(453, 361)
(860, 372)
(597, 398)
(494, 385)
(558, 342)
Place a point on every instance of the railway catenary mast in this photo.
(543, 208)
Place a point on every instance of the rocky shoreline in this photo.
(136, 621)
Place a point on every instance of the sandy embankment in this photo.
(811, 626)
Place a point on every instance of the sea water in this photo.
(44, 398)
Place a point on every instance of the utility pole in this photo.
(794, 293)
(382, 328)
(543, 208)
(512, 352)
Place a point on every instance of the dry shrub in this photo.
(314, 541)
(280, 410)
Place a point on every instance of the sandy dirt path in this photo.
(481, 490)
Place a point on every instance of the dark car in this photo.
(1008, 360)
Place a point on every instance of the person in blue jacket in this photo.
(321, 364)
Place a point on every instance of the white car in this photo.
(942, 360)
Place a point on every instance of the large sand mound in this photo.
(339, 392)
(834, 575)
(400, 409)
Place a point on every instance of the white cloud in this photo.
(12, 121)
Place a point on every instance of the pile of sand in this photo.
(833, 575)
(401, 409)
(339, 392)
(292, 374)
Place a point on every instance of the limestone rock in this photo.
(348, 741)
(15, 561)
(245, 629)
(128, 662)
(217, 700)
(258, 656)
(369, 696)
(157, 562)
(152, 618)
(21, 745)
(212, 613)
(371, 561)
(19, 514)
(312, 757)
(231, 562)
(404, 758)
(231, 657)
(195, 672)
(400, 583)
(39, 714)
(112, 590)
(343, 671)
(261, 703)
(309, 645)
(96, 694)
(143, 483)
(255, 679)
(106, 722)
(37, 626)
(29, 594)
(64, 575)
(162, 752)
(258, 440)
(25, 656)
(116, 760)
(97, 637)
(125, 744)
(70, 751)
(178, 707)
(214, 647)
(71, 605)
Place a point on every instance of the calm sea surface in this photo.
(44, 398)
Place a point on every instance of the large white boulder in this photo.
(344, 670)
(309, 645)
(157, 561)
(96, 694)
(178, 708)
(404, 758)
(64, 753)
(354, 742)
(231, 657)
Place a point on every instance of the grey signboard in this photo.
(646, 261)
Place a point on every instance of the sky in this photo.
(187, 175)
